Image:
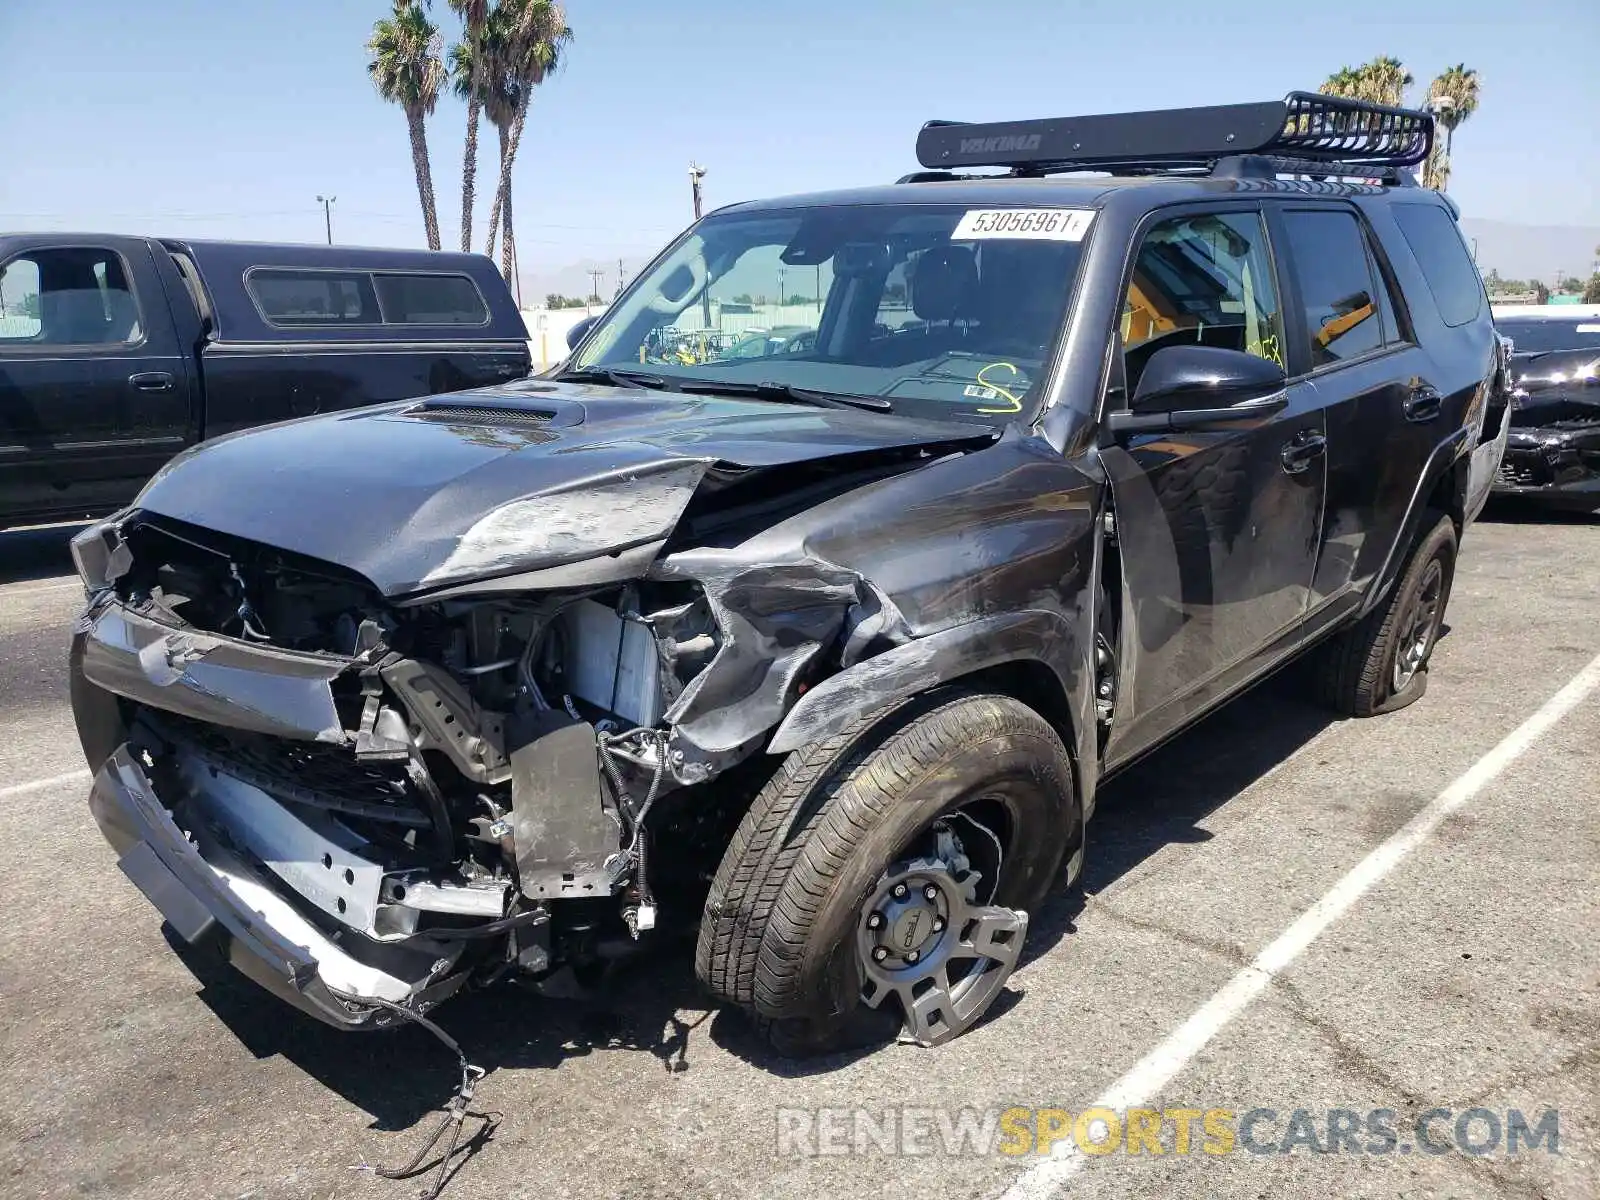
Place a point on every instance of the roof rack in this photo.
(1306, 131)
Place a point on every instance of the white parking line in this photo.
(1144, 1081)
(39, 785)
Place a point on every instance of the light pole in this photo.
(780, 287)
(696, 174)
(327, 214)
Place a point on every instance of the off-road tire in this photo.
(778, 939)
(1353, 671)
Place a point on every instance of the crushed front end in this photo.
(360, 800)
(1553, 449)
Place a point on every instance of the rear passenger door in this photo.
(1351, 343)
(94, 389)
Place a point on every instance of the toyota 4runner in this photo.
(826, 648)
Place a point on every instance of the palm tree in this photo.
(467, 65)
(1436, 167)
(1453, 97)
(1346, 81)
(1458, 85)
(1384, 80)
(502, 97)
(535, 34)
(406, 70)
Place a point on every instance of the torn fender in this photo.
(773, 618)
(1032, 634)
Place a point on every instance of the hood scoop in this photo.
(499, 411)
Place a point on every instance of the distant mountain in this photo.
(1533, 251)
(573, 279)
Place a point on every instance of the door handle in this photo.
(151, 381)
(1300, 451)
(1423, 403)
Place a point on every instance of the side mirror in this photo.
(575, 334)
(1203, 377)
(1195, 387)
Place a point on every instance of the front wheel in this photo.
(912, 853)
(1380, 664)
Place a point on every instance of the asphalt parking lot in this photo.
(1467, 975)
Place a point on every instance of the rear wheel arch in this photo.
(1441, 490)
(1449, 494)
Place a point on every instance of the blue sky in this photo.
(208, 118)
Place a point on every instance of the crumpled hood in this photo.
(515, 478)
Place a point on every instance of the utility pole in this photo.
(622, 277)
(327, 214)
(595, 275)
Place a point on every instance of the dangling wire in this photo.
(638, 844)
(455, 1112)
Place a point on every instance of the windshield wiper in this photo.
(616, 377)
(784, 391)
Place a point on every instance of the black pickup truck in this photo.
(118, 352)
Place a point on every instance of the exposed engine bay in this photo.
(458, 788)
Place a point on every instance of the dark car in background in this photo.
(118, 352)
(1553, 449)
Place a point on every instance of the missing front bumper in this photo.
(212, 897)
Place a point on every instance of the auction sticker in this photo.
(1034, 224)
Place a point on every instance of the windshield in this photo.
(1536, 335)
(934, 310)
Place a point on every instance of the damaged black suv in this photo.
(824, 649)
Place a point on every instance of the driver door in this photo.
(1216, 531)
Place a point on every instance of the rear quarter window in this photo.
(297, 298)
(293, 299)
(430, 300)
(1452, 278)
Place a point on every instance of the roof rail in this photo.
(1304, 126)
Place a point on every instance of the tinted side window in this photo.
(1337, 292)
(1452, 278)
(296, 298)
(1202, 280)
(1396, 329)
(73, 296)
(429, 300)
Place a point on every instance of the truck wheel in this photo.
(1380, 664)
(892, 868)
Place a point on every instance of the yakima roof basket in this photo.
(1304, 126)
